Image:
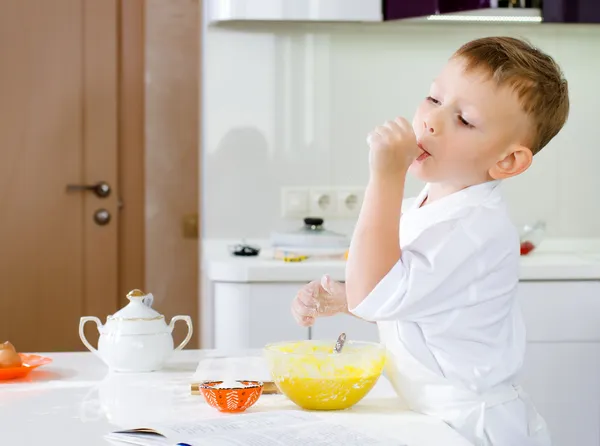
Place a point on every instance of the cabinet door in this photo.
(271, 315)
(402, 9)
(561, 311)
(561, 372)
(329, 328)
(571, 11)
(563, 381)
(252, 315)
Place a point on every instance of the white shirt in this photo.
(447, 311)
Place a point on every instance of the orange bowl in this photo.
(232, 399)
(30, 362)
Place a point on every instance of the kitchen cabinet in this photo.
(250, 315)
(401, 9)
(373, 11)
(571, 11)
(378, 11)
(553, 11)
(561, 372)
(562, 365)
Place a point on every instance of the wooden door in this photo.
(58, 126)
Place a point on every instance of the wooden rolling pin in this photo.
(269, 388)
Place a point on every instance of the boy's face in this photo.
(468, 125)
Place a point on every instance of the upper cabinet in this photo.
(402, 9)
(374, 11)
(571, 11)
(293, 10)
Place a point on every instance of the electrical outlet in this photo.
(349, 201)
(322, 203)
(294, 202)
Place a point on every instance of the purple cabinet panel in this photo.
(402, 9)
(571, 11)
(553, 11)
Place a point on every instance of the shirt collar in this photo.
(416, 219)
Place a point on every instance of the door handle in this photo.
(102, 189)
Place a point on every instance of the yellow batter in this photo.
(316, 379)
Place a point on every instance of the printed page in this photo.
(279, 428)
(193, 432)
(319, 433)
(235, 423)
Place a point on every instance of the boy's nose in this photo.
(429, 127)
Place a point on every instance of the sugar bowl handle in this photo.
(82, 322)
(188, 321)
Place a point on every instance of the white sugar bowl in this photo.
(135, 338)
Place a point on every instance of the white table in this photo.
(75, 401)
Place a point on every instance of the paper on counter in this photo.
(285, 428)
(293, 429)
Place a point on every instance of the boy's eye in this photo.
(465, 122)
(433, 100)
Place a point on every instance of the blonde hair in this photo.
(535, 77)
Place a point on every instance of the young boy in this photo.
(442, 289)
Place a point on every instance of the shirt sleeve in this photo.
(436, 273)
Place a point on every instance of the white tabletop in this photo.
(75, 401)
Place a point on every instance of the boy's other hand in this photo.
(393, 148)
(318, 298)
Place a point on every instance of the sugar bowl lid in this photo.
(137, 317)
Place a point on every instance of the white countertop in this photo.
(555, 259)
(74, 401)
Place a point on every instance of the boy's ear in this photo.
(516, 161)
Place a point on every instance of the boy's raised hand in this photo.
(393, 148)
(324, 297)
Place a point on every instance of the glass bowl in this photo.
(531, 236)
(315, 378)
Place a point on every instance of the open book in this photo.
(278, 428)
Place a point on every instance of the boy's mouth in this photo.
(425, 153)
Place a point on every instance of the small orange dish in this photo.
(30, 362)
(230, 398)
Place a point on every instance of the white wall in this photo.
(291, 106)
